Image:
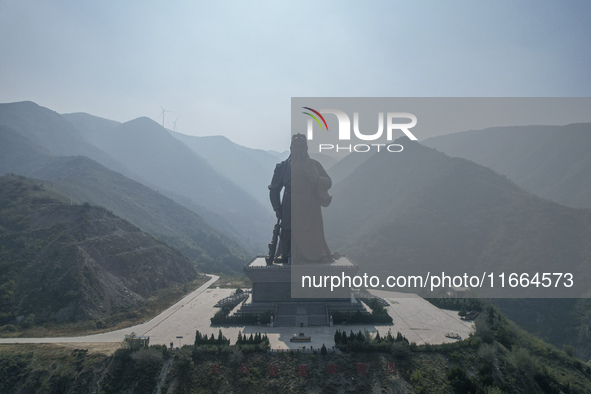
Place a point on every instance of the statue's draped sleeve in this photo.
(324, 183)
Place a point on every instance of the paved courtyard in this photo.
(415, 318)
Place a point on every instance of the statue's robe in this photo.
(306, 185)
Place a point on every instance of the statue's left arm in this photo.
(323, 183)
(275, 188)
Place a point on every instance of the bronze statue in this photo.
(306, 185)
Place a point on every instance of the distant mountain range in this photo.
(250, 169)
(344, 167)
(64, 262)
(145, 152)
(168, 165)
(50, 131)
(207, 197)
(84, 180)
(553, 162)
(420, 208)
(455, 210)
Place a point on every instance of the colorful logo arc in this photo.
(315, 118)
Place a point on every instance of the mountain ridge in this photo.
(84, 180)
(550, 161)
(425, 209)
(169, 166)
(66, 263)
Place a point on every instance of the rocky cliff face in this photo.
(68, 262)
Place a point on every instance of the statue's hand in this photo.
(278, 214)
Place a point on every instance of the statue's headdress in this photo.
(299, 145)
(299, 140)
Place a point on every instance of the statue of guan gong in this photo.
(299, 229)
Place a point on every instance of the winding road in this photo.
(142, 329)
(414, 317)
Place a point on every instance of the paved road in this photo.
(414, 317)
(164, 319)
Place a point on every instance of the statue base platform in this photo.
(278, 289)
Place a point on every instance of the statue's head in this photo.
(299, 145)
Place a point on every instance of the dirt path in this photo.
(163, 373)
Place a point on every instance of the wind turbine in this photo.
(174, 123)
(162, 114)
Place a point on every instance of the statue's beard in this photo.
(299, 155)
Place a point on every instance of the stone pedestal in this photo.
(278, 289)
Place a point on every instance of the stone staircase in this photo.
(301, 315)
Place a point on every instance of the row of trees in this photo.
(363, 341)
(205, 346)
(252, 340)
(203, 339)
(221, 340)
(341, 338)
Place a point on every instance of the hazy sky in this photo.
(231, 67)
